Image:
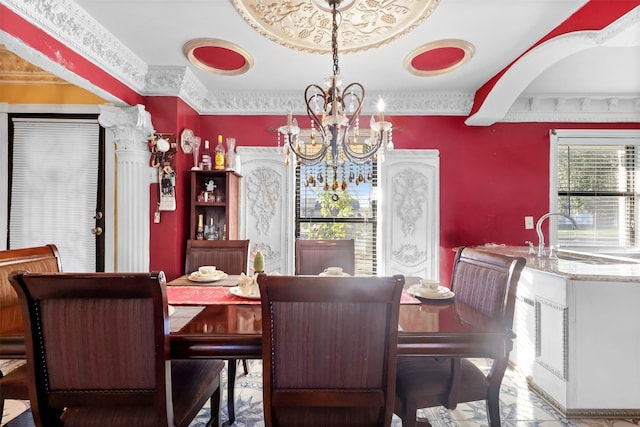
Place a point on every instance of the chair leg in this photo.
(214, 421)
(245, 365)
(407, 411)
(493, 406)
(231, 385)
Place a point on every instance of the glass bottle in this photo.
(220, 154)
(200, 229)
(206, 156)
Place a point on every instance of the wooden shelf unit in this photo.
(221, 204)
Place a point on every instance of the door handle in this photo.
(97, 231)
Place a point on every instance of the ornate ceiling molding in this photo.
(16, 70)
(305, 25)
(532, 64)
(67, 22)
(575, 109)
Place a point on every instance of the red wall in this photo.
(490, 177)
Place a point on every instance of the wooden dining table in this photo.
(230, 327)
(208, 321)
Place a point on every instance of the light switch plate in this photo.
(528, 223)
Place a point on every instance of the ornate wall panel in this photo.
(267, 197)
(409, 213)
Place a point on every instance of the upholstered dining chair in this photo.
(13, 385)
(232, 257)
(313, 256)
(98, 352)
(486, 282)
(329, 349)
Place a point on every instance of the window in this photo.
(339, 204)
(598, 184)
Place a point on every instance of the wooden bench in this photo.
(40, 259)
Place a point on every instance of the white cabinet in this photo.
(579, 342)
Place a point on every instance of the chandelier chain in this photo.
(334, 38)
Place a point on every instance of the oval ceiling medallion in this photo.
(306, 24)
(438, 57)
(218, 56)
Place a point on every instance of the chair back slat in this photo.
(487, 282)
(329, 349)
(230, 256)
(96, 339)
(313, 256)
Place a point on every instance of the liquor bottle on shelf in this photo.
(220, 154)
(200, 229)
(206, 156)
(224, 232)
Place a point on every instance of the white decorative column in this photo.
(267, 203)
(409, 211)
(131, 127)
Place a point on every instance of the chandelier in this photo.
(334, 113)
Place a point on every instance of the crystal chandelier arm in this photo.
(353, 93)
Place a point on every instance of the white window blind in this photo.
(598, 185)
(54, 187)
(325, 211)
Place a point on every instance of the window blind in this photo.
(54, 187)
(323, 212)
(598, 186)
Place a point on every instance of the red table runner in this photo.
(206, 295)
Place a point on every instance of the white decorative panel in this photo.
(409, 203)
(267, 200)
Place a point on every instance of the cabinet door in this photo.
(410, 226)
(267, 200)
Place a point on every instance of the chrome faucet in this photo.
(541, 251)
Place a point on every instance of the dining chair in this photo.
(313, 256)
(232, 257)
(329, 349)
(13, 385)
(487, 283)
(98, 351)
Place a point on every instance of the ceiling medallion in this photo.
(218, 56)
(306, 24)
(438, 57)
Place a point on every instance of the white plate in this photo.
(323, 274)
(236, 291)
(197, 277)
(441, 293)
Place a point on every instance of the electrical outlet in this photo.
(528, 223)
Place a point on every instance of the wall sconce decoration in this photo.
(163, 148)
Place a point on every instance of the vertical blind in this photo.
(54, 187)
(323, 212)
(598, 187)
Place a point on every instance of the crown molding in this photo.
(575, 108)
(65, 21)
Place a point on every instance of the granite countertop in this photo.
(586, 268)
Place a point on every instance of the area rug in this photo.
(519, 406)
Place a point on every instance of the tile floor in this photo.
(520, 407)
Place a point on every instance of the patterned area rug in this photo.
(520, 407)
